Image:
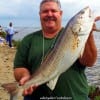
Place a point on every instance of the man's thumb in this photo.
(23, 80)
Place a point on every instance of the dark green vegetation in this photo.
(94, 93)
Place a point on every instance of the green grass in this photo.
(92, 89)
(3, 34)
(15, 43)
(97, 98)
(94, 92)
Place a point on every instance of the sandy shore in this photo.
(6, 68)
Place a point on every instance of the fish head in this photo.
(85, 13)
(83, 21)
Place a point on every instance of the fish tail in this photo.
(12, 89)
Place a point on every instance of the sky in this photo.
(25, 12)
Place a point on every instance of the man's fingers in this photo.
(97, 18)
(29, 90)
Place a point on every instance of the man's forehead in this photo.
(49, 5)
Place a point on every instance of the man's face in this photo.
(50, 15)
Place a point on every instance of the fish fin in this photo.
(16, 94)
(52, 83)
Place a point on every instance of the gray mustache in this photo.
(50, 18)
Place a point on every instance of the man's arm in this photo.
(90, 52)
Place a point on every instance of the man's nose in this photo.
(50, 13)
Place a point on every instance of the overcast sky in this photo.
(28, 9)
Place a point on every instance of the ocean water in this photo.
(23, 31)
(93, 73)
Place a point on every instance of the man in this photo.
(10, 32)
(71, 84)
(1, 30)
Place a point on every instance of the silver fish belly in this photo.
(66, 51)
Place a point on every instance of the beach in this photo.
(6, 69)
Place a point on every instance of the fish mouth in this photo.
(89, 10)
(86, 13)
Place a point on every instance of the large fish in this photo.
(66, 51)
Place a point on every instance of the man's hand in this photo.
(22, 75)
(29, 90)
(94, 26)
